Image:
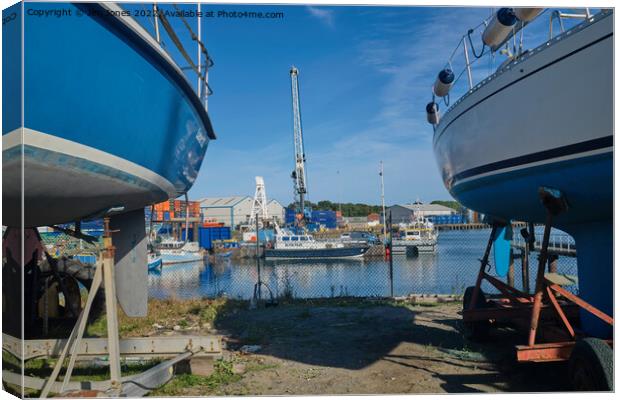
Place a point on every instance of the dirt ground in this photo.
(366, 347)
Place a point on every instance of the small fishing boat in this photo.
(177, 252)
(154, 262)
(421, 234)
(289, 245)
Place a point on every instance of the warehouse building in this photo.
(235, 210)
(405, 212)
(275, 211)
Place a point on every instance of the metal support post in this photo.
(540, 276)
(468, 66)
(259, 283)
(483, 264)
(555, 203)
(390, 259)
(553, 263)
(510, 278)
(156, 23)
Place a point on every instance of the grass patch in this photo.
(168, 313)
(259, 366)
(186, 384)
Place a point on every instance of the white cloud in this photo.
(324, 15)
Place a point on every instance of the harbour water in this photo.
(449, 271)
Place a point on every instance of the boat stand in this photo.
(550, 315)
(179, 348)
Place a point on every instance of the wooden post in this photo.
(510, 278)
(110, 308)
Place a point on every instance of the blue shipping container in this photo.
(206, 235)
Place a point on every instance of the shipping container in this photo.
(206, 235)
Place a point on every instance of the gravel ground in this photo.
(367, 347)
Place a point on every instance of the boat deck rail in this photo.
(470, 64)
(559, 244)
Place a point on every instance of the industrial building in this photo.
(405, 212)
(235, 210)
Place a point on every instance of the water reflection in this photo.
(449, 271)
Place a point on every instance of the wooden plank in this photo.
(167, 346)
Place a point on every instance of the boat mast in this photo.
(199, 84)
(299, 174)
(383, 200)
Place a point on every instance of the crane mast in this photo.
(299, 174)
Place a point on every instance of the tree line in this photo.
(362, 210)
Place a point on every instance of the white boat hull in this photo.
(545, 120)
(554, 106)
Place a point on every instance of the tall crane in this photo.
(299, 174)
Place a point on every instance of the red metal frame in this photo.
(517, 305)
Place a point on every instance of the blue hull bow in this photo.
(107, 120)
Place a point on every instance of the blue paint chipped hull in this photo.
(108, 119)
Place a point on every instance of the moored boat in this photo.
(154, 262)
(420, 233)
(288, 245)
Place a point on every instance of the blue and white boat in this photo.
(543, 118)
(99, 121)
(105, 121)
(290, 245)
(154, 262)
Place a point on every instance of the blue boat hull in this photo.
(108, 121)
(588, 185)
(155, 264)
(340, 252)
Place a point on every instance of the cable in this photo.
(471, 44)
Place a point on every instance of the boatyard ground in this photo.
(339, 346)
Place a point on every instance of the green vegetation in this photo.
(362, 210)
(455, 205)
(187, 314)
(188, 384)
(348, 209)
(42, 367)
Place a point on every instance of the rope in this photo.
(471, 44)
(177, 42)
(209, 62)
(175, 39)
(195, 38)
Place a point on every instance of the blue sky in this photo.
(365, 77)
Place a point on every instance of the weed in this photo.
(181, 384)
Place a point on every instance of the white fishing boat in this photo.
(177, 251)
(419, 233)
(288, 244)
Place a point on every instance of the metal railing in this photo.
(200, 68)
(559, 243)
(513, 49)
